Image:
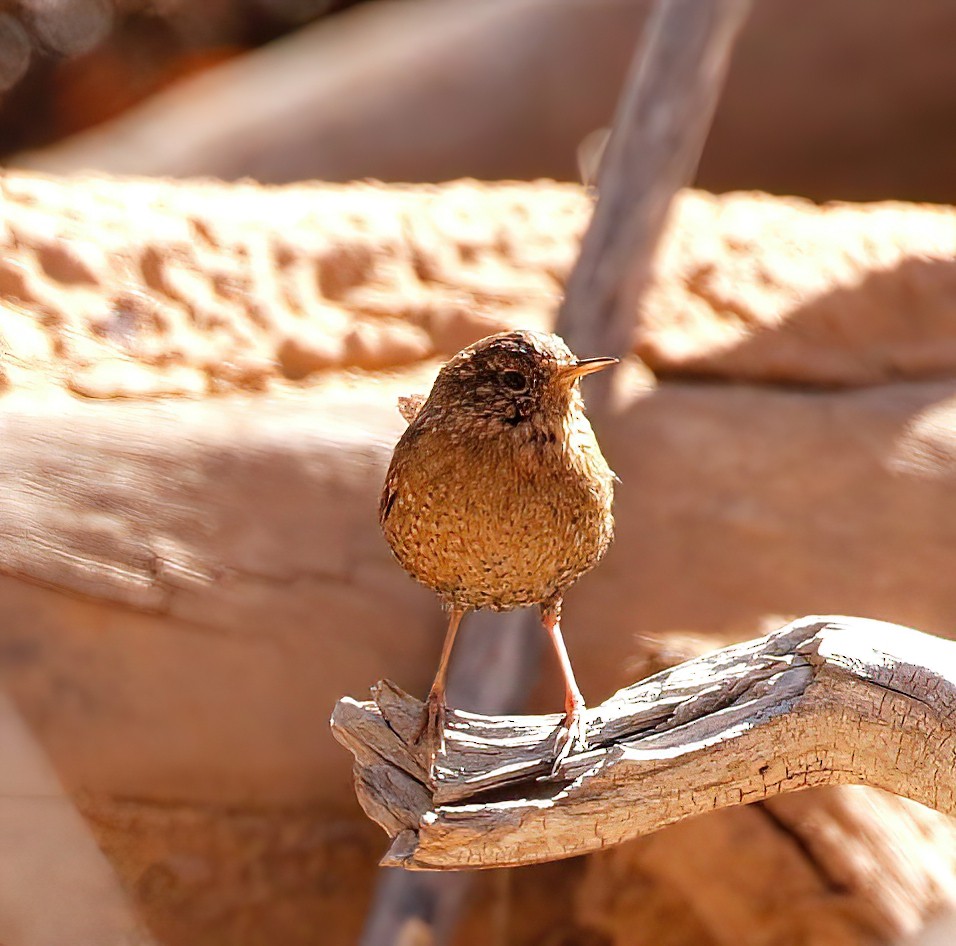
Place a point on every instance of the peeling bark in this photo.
(823, 701)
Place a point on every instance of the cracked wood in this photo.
(822, 701)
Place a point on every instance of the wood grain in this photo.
(822, 701)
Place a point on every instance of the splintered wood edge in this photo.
(822, 701)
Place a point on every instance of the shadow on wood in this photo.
(822, 701)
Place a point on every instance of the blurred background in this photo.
(198, 378)
(829, 100)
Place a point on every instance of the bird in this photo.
(498, 496)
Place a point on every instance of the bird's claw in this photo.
(431, 731)
(572, 737)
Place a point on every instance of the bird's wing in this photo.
(409, 406)
(389, 495)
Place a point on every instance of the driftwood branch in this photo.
(825, 700)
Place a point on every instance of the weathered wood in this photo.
(659, 130)
(822, 701)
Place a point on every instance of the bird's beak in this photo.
(570, 373)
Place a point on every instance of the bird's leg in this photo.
(433, 717)
(571, 735)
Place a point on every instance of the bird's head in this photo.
(516, 381)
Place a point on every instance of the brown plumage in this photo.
(498, 495)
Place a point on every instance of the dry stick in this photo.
(656, 142)
(658, 135)
(823, 701)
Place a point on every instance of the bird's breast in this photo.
(499, 523)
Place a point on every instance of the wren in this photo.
(498, 496)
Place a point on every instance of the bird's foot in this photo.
(572, 736)
(431, 731)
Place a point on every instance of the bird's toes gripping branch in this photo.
(431, 731)
(571, 737)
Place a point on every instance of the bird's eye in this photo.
(515, 380)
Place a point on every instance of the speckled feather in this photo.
(496, 497)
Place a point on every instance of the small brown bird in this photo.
(498, 495)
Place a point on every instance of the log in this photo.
(822, 701)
